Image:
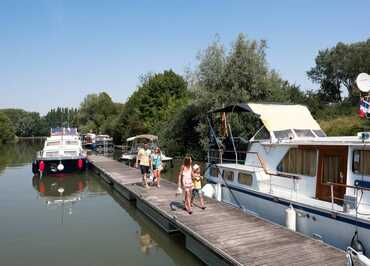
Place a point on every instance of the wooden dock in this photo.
(221, 234)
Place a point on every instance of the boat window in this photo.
(213, 171)
(263, 133)
(320, 133)
(330, 169)
(361, 162)
(245, 179)
(301, 133)
(299, 161)
(71, 142)
(283, 134)
(228, 175)
(53, 143)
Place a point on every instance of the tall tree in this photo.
(225, 77)
(6, 129)
(153, 103)
(94, 112)
(337, 68)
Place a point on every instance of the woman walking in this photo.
(185, 180)
(157, 165)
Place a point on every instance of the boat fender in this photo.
(290, 218)
(41, 166)
(208, 191)
(80, 164)
(60, 167)
(357, 245)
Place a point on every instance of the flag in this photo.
(364, 108)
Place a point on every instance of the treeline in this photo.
(175, 107)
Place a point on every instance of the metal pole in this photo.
(332, 196)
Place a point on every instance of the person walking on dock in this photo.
(157, 165)
(197, 186)
(185, 179)
(143, 159)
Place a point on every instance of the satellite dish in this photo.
(363, 82)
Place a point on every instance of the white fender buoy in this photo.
(60, 167)
(290, 218)
(218, 192)
(209, 191)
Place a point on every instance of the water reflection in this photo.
(33, 209)
(150, 238)
(18, 154)
(63, 191)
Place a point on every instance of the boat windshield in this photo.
(71, 142)
(53, 143)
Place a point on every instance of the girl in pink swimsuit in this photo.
(185, 180)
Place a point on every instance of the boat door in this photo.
(332, 168)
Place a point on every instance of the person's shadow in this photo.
(175, 205)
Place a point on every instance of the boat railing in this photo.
(218, 156)
(356, 189)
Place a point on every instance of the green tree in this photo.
(153, 104)
(6, 129)
(337, 68)
(95, 111)
(222, 78)
(25, 124)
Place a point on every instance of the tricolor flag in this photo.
(364, 108)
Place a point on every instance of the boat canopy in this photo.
(61, 131)
(145, 136)
(276, 117)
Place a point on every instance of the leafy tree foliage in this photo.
(95, 113)
(240, 75)
(6, 129)
(337, 68)
(25, 123)
(61, 117)
(152, 104)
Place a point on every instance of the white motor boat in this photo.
(137, 142)
(62, 153)
(292, 174)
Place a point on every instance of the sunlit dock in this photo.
(221, 234)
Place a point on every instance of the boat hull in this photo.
(332, 228)
(51, 166)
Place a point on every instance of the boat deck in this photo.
(221, 234)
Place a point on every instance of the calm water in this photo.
(74, 220)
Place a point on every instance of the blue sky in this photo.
(53, 52)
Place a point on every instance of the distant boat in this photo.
(137, 142)
(104, 143)
(88, 140)
(62, 153)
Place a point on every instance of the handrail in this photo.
(266, 171)
(346, 186)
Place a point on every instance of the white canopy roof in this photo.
(284, 116)
(145, 136)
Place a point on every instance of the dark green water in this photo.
(74, 220)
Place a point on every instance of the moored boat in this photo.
(292, 174)
(137, 142)
(62, 153)
(104, 143)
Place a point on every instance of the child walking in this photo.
(197, 186)
(185, 180)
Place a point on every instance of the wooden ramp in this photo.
(221, 234)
